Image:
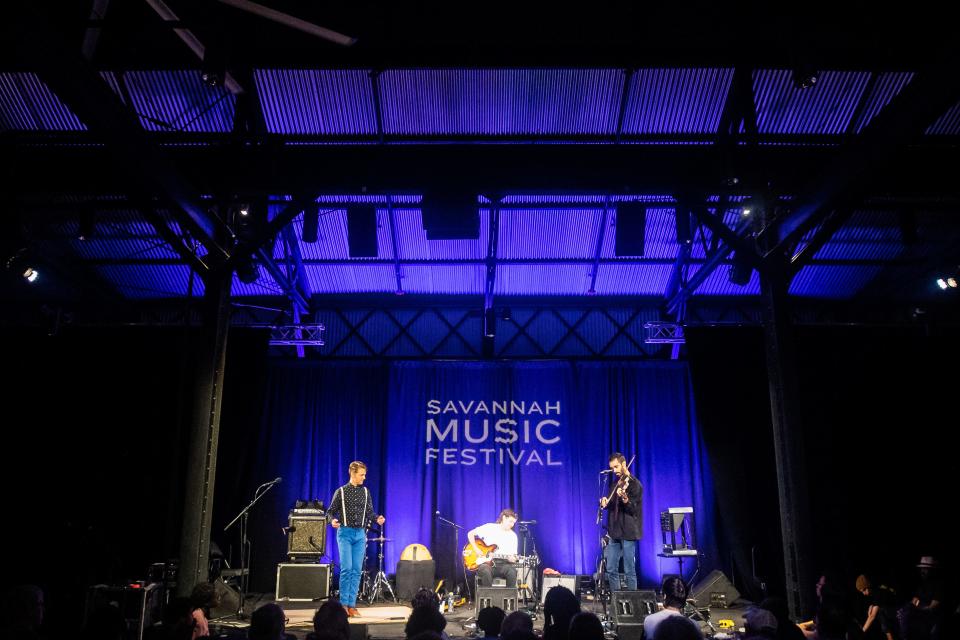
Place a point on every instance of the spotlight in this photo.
(947, 283)
(18, 263)
(805, 77)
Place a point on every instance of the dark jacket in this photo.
(625, 521)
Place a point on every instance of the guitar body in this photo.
(470, 556)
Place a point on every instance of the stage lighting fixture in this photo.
(947, 283)
(248, 271)
(805, 77)
(740, 271)
(489, 323)
(18, 262)
(311, 224)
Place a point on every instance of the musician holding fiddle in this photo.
(624, 523)
(495, 547)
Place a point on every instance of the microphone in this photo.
(437, 514)
(276, 480)
(607, 471)
(527, 522)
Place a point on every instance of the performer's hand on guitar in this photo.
(381, 520)
(335, 523)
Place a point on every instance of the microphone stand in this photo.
(245, 548)
(456, 544)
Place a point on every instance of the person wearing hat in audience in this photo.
(929, 593)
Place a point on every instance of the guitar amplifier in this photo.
(570, 582)
(306, 534)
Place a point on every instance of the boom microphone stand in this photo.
(245, 548)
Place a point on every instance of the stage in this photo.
(387, 620)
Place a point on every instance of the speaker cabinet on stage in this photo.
(503, 597)
(302, 582)
(570, 582)
(714, 590)
(631, 607)
(412, 575)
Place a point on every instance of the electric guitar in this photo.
(488, 552)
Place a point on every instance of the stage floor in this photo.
(386, 620)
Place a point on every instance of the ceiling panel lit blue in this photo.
(671, 101)
(838, 282)
(317, 102)
(150, 281)
(28, 104)
(659, 235)
(825, 108)
(414, 245)
(867, 235)
(167, 101)
(718, 283)
(524, 280)
(443, 279)
(948, 124)
(503, 102)
(351, 278)
(632, 279)
(546, 233)
(885, 89)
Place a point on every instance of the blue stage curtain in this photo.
(319, 417)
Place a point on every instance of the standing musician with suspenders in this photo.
(352, 511)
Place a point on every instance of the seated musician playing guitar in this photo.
(495, 546)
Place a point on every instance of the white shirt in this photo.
(651, 621)
(493, 533)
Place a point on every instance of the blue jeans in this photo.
(616, 549)
(351, 542)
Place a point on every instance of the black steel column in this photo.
(787, 435)
(204, 436)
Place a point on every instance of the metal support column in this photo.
(787, 436)
(204, 436)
